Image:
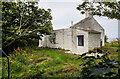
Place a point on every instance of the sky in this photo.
(65, 12)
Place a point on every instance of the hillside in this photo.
(41, 62)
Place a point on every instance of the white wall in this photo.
(79, 49)
(93, 40)
(63, 39)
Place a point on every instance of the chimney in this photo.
(71, 23)
(88, 12)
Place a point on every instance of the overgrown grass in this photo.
(112, 44)
(38, 63)
(41, 62)
(113, 52)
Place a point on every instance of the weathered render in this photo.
(89, 29)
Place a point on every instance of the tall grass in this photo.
(41, 62)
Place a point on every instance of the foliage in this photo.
(105, 38)
(99, 67)
(108, 9)
(46, 62)
(23, 19)
(41, 63)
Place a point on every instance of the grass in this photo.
(41, 62)
(45, 62)
(112, 44)
(113, 52)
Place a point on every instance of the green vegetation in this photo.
(29, 62)
(112, 44)
(108, 9)
(41, 62)
(22, 21)
(45, 62)
(112, 53)
(97, 67)
(105, 38)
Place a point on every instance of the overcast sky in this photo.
(65, 12)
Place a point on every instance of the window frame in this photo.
(81, 39)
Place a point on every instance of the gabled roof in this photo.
(84, 21)
(79, 22)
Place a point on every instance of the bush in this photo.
(21, 59)
(22, 43)
(17, 67)
(98, 67)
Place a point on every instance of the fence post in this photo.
(8, 62)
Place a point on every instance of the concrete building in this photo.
(79, 38)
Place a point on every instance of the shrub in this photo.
(21, 59)
(17, 67)
(98, 67)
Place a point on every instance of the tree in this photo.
(108, 9)
(105, 38)
(23, 19)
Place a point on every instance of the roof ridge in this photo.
(80, 21)
(98, 23)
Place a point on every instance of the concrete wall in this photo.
(62, 39)
(93, 40)
(90, 23)
(79, 49)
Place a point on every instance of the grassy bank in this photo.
(45, 62)
(41, 62)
